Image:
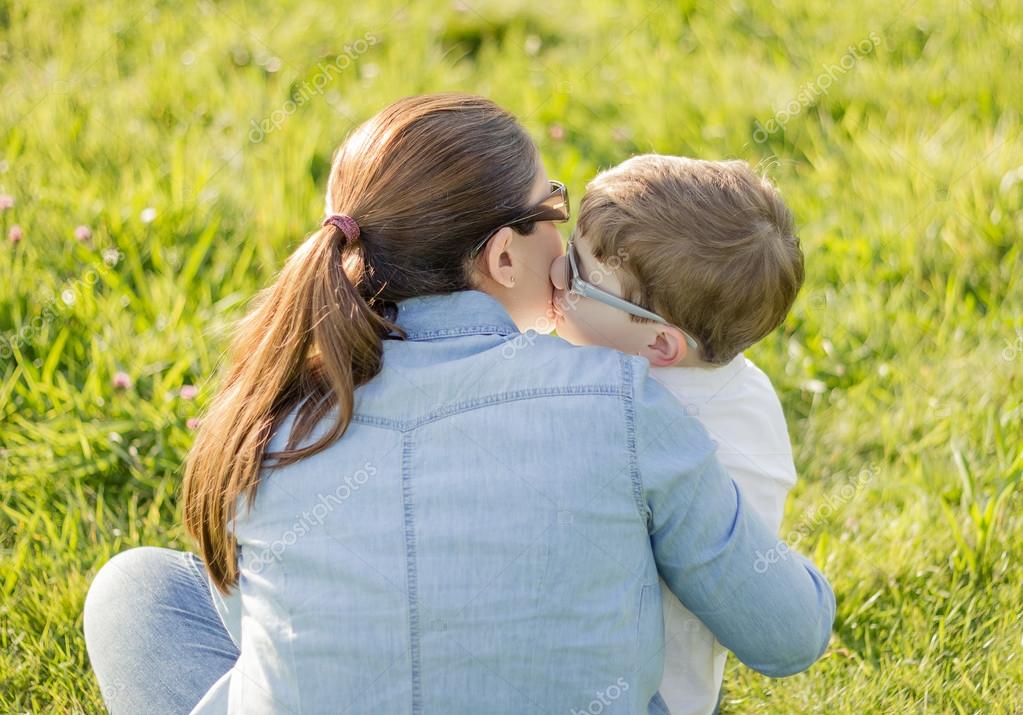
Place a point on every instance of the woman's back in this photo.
(479, 534)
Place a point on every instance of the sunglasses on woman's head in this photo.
(552, 208)
(578, 285)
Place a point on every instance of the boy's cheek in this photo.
(577, 330)
(572, 322)
(567, 328)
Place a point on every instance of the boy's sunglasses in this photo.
(553, 208)
(579, 286)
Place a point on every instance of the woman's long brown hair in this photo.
(425, 179)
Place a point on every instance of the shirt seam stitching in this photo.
(499, 398)
(418, 335)
(629, 405)
(410, 575)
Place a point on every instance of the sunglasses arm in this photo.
(590, 291)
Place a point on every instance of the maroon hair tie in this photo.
(347, 225)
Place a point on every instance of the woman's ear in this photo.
(497, 258)
(667, 348)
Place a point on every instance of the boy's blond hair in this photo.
(708, 245)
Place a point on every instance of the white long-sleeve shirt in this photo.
(740, 409)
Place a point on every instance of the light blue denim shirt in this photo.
(487, 537)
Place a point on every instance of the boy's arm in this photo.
(715, 554)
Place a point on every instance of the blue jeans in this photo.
(155, 639)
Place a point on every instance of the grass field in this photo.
(192, 141)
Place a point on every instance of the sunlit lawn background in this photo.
(892, 128)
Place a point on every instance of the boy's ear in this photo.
(497, 258)
(667, 348)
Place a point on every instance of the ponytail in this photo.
(311, 335)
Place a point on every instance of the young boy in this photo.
(688, 263)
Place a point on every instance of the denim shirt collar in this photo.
(467, 312)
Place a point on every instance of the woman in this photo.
(407, 501)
